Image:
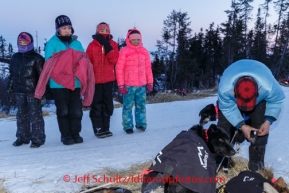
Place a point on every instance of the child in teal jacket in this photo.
(68, 102)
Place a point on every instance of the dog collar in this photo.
(206, 135)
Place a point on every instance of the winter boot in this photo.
(129, 131)
(67, 140)
(141, 128)
(256, 157)
(99, 133)
(35, 145)
(77, 139)
(75, 128)
(64, 128)
(18, 142)
(107, 132)
(106, 124)
(96, 123)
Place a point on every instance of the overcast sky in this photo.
(146, 15)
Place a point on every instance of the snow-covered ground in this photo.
(42, 170)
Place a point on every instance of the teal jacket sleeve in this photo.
(49, 50)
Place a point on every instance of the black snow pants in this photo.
(69, 111)
(102, 106)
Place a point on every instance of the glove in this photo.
(122, 90)
(103, 41)
(208, 114)
(150, 87)
(43, 101)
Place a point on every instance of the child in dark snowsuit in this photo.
(25, 68)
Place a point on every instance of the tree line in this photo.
(197, 60)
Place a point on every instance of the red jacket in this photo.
(103, 65)
(63, 67)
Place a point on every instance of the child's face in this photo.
(65, 31)
(22, 43)
(135, 42)
(103, 31)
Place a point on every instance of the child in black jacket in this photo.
(25, 68)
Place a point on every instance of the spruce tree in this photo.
(213, 55)
(10, 51)
(259, 42)
(281, 6)
(232, 35)
(196, 67)
(245, 10)
(265, 8)
(2, 48)
(281, 69)
(175, 37)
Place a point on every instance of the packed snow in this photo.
(46, 169)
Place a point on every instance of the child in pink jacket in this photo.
(134, 78)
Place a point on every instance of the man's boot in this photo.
(256, 157)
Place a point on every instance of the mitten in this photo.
(122, 90)
(149, 87)
(103, 41)
(43, 101)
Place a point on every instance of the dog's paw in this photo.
(238, 147)
(225, 170)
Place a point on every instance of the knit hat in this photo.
(134, 34)
(101, 26)
(27, 37)
(24, 36)
(246, 93)
(62, 21)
